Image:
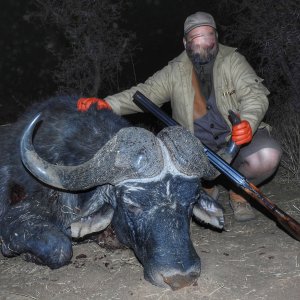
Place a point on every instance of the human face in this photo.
(201, 44)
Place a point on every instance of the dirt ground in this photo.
(253, 260)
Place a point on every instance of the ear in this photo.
(96, 212)
(184, 42)
(95, 223)
(208, 211)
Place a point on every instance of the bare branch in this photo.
(94, 45)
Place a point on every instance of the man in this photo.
(203, 83)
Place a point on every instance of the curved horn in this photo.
(186, 151)
(132, 153)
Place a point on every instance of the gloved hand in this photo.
(83, 104)
(241, 133)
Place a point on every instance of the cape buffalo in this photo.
(66, 174)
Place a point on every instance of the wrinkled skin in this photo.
(150, 216)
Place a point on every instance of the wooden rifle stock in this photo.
(287, 222)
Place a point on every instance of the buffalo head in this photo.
(149, 187)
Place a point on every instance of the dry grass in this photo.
(253, 260)
(287, 131)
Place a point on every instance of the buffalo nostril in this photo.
(179, 281)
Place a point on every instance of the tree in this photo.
(25, 65)
(88, 40)
(268, 33)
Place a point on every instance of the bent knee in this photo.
(265, 159)
(270, 157)
(55, 250)
(47, 247)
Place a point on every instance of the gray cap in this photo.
(198, 19)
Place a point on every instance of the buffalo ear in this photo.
(96, 212)
(96, 223)
(209, 211)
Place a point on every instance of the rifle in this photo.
(282, 218)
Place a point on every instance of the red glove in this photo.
(242, 133)
(83, 104)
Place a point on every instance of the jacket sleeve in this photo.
(157, 88)
(251, 93)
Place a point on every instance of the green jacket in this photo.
(236, 84)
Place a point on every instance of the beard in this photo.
(200, 56)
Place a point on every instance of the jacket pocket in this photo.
(229, 97)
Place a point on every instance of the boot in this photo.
(242, 210)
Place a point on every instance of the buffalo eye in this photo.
(134, 208)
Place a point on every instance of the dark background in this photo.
(27, 66)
